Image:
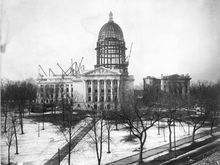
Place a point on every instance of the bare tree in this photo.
(97, 132)
(31, 93)
(198, 98)
(9, 136)
(66, 125)
(172, 105)
(5, 99)
(109, 126)
(19, 97)
(15, 124)
(133, 111)
(213, 105)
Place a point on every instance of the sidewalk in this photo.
(188, 154)
(160, 149)
(64, 150)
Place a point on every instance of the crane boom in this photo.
(43, 70)
(128, 58)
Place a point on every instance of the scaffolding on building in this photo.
(75, 70)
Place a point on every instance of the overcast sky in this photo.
(169, 36)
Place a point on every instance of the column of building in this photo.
(118, 83)
(105, 90)
(112, 90)
(54, 92)
(98, 90)
(85, 90)
(92, 90)
(86, 95)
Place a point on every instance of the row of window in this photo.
(108, 99)
(102, 90)
(95, 82)
(110, 51)
(56, 95)
(111, 43)
(52, 90)
(110, 60)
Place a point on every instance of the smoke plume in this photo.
(4, 32)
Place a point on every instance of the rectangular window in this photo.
(89, 90)
(102, 98)
(109, 98)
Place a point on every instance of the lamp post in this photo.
(158, 126)
(158, 123)
(38, 129)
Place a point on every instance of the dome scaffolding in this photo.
(111, 47)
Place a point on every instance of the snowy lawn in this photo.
(33, 149)
(85, 152)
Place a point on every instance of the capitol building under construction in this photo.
(103, 85)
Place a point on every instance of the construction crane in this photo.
(73, 70)
(128, 57)
(43, 70)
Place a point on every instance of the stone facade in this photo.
(169, 84)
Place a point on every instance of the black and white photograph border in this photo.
(87, 82)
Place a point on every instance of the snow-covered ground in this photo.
(37, 150)
(33, 149)
(86, 154)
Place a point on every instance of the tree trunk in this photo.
(16, 139)
(211, 129)
(116, 122)
(43, 119)
(109, 141)
(99, 161)
(193, 135)
(6, 116)
(21, 122)
(63, 109)
(69, 145)
(141, 152)
(9, 154)
(69, 152)
(170, 138)
(29, 108)
(130, 134)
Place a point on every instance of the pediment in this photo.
(101, 71)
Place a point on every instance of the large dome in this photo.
(110, 30)
(111, 47)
